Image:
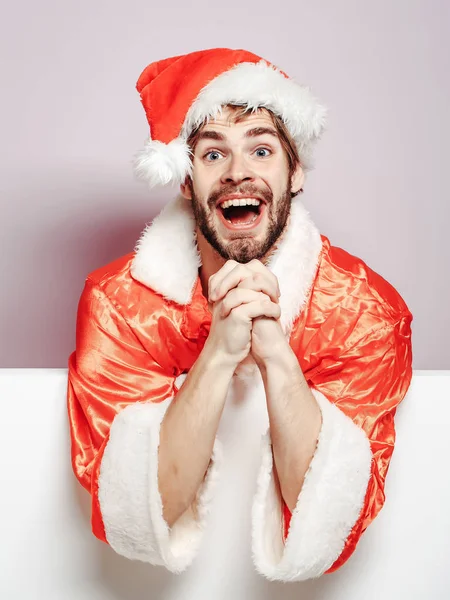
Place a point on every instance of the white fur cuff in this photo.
(129, 497)
(328, 505)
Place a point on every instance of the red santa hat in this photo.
(179, 93)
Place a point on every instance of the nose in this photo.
(237, 170)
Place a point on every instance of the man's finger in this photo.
(259, 267)
(217, 277)
(263, 280)
(260, 284)
(226, 281)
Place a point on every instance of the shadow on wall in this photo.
(80, 223)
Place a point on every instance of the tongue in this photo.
(240, 215)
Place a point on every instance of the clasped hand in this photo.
(246, 312)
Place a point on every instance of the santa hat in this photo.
(179, 93)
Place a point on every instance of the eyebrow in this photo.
(255, 132)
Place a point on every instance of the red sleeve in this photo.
(108, 371)
(367, 383)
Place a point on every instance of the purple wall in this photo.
(71, 121)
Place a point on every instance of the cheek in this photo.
(204, 185)
(201, 176)
(276, 185)
(276, 176)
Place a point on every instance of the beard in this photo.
(243, 247)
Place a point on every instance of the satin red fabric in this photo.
(352, 340)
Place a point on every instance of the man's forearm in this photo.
(188, 432)
(295, 421)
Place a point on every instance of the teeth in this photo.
(240, 202)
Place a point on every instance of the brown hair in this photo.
(239, 114)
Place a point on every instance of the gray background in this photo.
(71, 121)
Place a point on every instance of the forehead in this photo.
(225, 121)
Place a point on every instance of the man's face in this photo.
(246, 160)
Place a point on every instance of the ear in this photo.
(298, 179)
(185, 189)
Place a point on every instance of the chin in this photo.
(243, 250)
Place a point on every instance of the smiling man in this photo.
(236, 376)
(242, 185)
(240, 149)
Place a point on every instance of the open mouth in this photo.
(242, 217)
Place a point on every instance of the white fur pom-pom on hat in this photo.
(160, 163)
(179, 93)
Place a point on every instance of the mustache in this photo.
(245, 190)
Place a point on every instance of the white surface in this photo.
(48, 551)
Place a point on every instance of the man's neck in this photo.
(211, 261)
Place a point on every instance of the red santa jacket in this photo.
(143, 320)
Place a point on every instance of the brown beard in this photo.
(244, 248)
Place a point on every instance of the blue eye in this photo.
(212, 152)
(209, 156)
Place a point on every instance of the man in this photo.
(236, 345)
